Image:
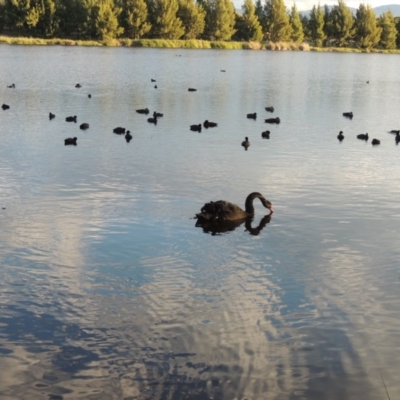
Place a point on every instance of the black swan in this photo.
(78, 86)
(143, 111)
(71, 119)
(252, 116)
(348, 114)
(70, 141)
(363, 136)
(5, 107)
(276, 120)
(89, 95)
(397, 138)
(207, 124)
(340, 136)
(51, 116)
(265, 135)
(225, 211)
(375, 142)
(246, 143)
(84, 126)
(269, 109)
(192, 89)
(12, 86)
(157, 114)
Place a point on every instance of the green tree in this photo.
(166, 24)
(106, 20)
(247, 25)
(327, 22)
(72, 16)
(277, 21)
(341, 22)
(134, 18)
(48, 23)
(262, 18)
(316, 26)
(16, 13)
(397, 21)
(368, 32)
(2, 15)
(193, 18)
(297, 27)
(389, 31)
(224, 20)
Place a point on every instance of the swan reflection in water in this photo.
(217, 228)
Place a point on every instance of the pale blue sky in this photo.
(307, 4)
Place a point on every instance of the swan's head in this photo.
(267, 204)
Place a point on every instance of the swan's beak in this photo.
(271, 209)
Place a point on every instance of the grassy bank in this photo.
(188, 44)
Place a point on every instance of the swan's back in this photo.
(221, 210)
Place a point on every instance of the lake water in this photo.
(108, 288)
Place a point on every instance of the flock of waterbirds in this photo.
(198, 127)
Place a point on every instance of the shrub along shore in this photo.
(188, 44)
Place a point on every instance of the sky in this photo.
(308, 4)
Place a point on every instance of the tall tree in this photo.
(247, 24)
(224, 20)
(389, 31)
(316, 26)
(368, 32)
(16, 13)
(72, 16)
(327, 22)
(166, 24)
(260, 12)
(134, 18)
(297, 27)
(193, 18)
(106, 20)
(48, 23)
(341, 22)
(397, 20)
(279, 28)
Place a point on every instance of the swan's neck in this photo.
(249, 202)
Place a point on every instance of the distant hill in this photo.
(394, 8)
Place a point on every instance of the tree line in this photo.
(267, 20)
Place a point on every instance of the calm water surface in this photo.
(108, 290)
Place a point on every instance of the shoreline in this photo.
(188, 44)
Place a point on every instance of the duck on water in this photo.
(222, 210)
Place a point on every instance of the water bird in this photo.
(265, 135)
(143, 111)
(51, 116)
(397, 138)
(84, 126)
(71, 119)
(89, 95)
(222, 210)
(157, 115)
(5, 107)
(128, 136)
(252, 116)
(119, 130)
(394, 131)
(348, 114)
(152, 120)
(269, 109)
(222, 70)
(155, 86)
(70, 141)
(192, 89)
(78, 85)
(195, 128)
(273, 120)
(340, 136)
(363, 136)
(12, 86)
(367, 82)
(153, 80)
(207, 124)
(375, 142)
(246, 143)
